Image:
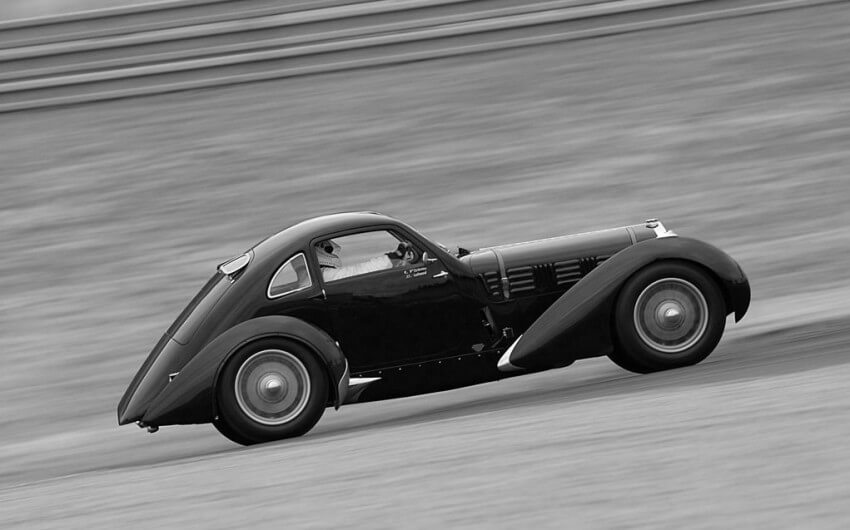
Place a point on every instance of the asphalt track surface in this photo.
(746, 439)
(734, 131)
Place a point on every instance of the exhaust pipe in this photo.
(151, 428)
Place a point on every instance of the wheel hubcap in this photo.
(272, 387)
(671, 315)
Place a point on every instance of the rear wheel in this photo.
(270, 390)
(668, 315)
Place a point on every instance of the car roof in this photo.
(299, 234)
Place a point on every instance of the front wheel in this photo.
(270, 390)
(668, 315)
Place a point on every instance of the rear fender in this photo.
(190, 396)
(578, 326)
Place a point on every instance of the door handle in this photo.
(441, 274)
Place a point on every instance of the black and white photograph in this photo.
(425, 264)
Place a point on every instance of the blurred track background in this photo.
(735, 131)
(21, 9)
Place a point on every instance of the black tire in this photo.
(270, 390)
(229, 433)
(668, 315)
(621, 359)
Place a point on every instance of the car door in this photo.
(407, 312)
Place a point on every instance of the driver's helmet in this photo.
(327, 253)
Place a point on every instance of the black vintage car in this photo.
(360, 306)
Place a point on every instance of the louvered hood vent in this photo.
(542, 278)
(492, 283)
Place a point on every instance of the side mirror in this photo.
(428, 259)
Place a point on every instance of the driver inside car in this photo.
(327, 252)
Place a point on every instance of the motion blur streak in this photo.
(329, 40)
(733, 131)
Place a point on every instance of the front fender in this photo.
(190, 397)
(578, 326)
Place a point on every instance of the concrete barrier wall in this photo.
(17, 11)
(187, 45)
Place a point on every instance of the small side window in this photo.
(290, 277)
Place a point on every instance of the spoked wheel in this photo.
(270, 390)
(668, 315)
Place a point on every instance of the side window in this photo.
(356, 254)
(290, 277)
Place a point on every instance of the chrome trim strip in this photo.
(503, 274)
(504, 364)
(632, 235)
(356, 386)
(357, 381)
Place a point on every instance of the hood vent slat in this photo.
(541, 278)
